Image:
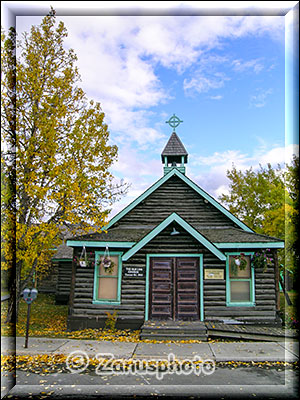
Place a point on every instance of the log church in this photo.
(174, 254)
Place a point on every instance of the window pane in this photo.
(237, 272)
(239, 291)
(115, 259)
(108, 288)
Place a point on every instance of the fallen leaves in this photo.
(49, 363)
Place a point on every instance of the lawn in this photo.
(46, 318)
(289, 312)
(50, 320)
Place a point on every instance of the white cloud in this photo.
(202, 84)
(218, 97)
(259, 99)
(214, 180)
(243, 66)
(118, 57)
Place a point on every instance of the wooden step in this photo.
(167, 336)
(174, 330)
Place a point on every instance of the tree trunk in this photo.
(16, 288)
(11, 316)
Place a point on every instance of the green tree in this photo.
(266, 201)
(257, 198)
(292, 216)
(56, 151)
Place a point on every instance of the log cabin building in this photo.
(173, 256)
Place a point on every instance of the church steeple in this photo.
(174, 154)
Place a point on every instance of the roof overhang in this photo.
(250, 245)
(88, 243)
(171, 218)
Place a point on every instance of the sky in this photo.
(223, 76)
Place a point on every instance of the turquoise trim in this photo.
(179, 168)
(95, 291)
(174, 255)
(87, 243)
(230, 303)
(151, 189)
(139, 199)
(247, 245)
(171, 218)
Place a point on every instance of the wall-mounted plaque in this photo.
(213, 274)
(134, 271)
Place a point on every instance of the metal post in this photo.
(27, 325)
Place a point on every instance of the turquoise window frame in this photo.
(97, 276)
(200, 256)
(230, 303)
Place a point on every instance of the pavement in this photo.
(284, 351)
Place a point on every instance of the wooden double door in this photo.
(174, 288)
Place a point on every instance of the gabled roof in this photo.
(174, 147)
(63, 252)
(200, 191)
(171, 218)
(234, 237)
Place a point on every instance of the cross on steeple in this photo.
(174, 121)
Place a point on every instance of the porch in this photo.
(204, 331)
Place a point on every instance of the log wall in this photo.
(131, 311)
(63, 285)
(175, 196)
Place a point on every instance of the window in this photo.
(239, 282)
(107, 285)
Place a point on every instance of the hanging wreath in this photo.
(106, 262)
(238, 261)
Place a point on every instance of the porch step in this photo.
(174, 330)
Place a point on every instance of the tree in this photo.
(265, 200)
(56, 151)
(257, 198)
(292, 215)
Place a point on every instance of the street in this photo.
(224, 382)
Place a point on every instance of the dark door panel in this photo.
(161, 289)
(174, 288)
(187, 288)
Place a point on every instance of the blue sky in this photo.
(223, 76)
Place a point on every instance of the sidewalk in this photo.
(287, 351)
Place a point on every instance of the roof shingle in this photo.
(174, 147)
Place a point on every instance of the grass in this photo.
(46, 318)
(4, 290)
(289, 313)
(50, 320)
